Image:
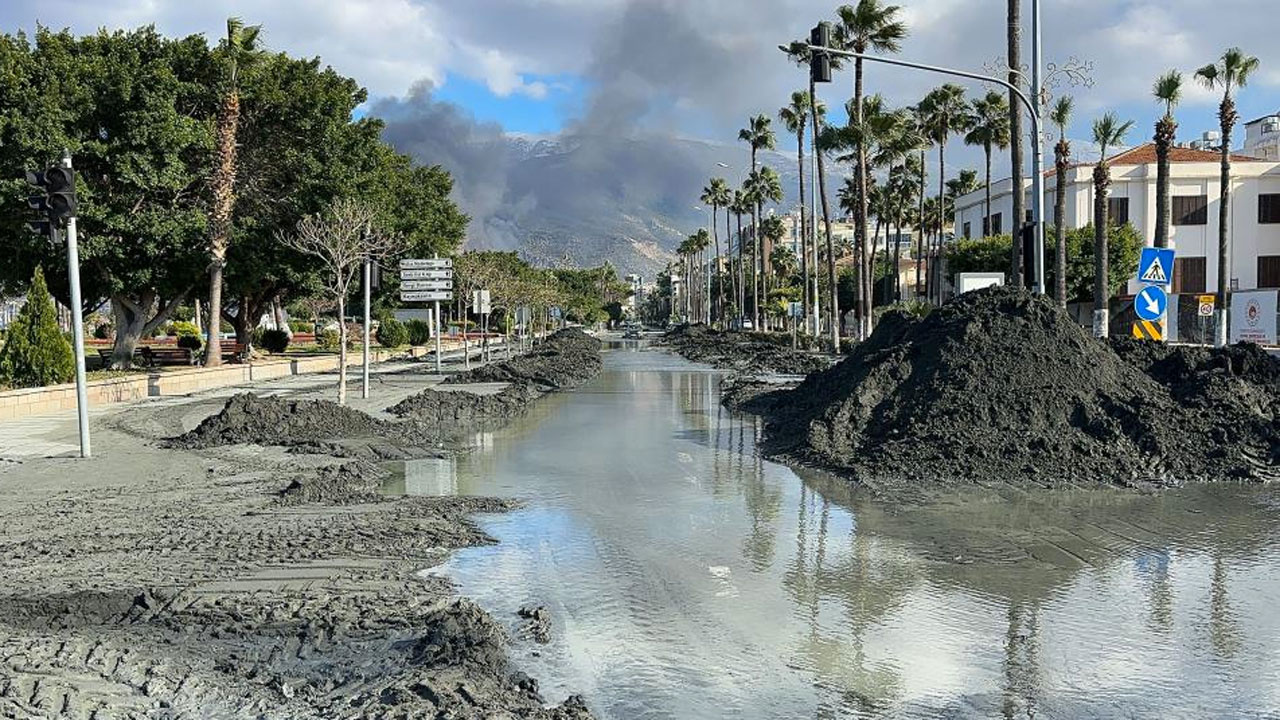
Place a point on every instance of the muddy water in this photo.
(689, 578)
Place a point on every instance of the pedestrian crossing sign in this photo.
(1156, 266)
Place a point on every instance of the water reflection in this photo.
(427, 477)
(691, 578)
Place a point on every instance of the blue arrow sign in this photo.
(1151, 303)
(1156, 266)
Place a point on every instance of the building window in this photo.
(1189, 275)
(1269, 271)
(1269, 208)
(1190, 210)
(1030, 215)
(994, 225)
(1118, 210)
(967, 234)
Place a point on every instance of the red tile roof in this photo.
(1145, 154)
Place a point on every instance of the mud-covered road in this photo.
(259, 574)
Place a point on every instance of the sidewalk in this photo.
(55, 434)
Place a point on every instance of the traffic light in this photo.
(57, 203)
(820, 62)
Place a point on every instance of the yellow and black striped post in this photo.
(1149, 330)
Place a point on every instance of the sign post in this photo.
(1151, 304)
(428, 280)
(77, 327)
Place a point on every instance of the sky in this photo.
(698, 68)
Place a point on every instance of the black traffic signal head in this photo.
(41, 227)
(819, 61)
(59, 184)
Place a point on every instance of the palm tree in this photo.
(1060, 116)
(240, 48)
(945, 112)
(740, 205)
(701, 243)
(1232, 71)
(717, 196)
(763, 185)
(1168, 90)
(990, 131)
(759, 135)
(1108, 132)
(917, 119)
(798, 51)
(868, 26)
(794, 118)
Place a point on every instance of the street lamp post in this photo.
(1033, 109)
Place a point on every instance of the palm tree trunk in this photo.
(1060, 223)
(224, 179)
(715, 232)
(864, 262)
(942, 208)
(920, 223)
(834, 317)
(738, 290)
(1227, 116)
(804, 233)
(728, 235)
(1015, 133)
(897, 250)
(756, 265)
(1164, 204)
(1101, 292)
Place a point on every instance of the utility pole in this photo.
(1037, 156)
(77, 317)
(364, 372)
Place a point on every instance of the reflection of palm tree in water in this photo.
(764, 503)
(1155, 567)
(1224, 631)
(1022, 661)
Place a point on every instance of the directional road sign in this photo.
(426, 285)
(426, 274)
(426, 295)
(426, 264)
(1151, 303)
(1156, 266)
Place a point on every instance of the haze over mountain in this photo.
(580, 197)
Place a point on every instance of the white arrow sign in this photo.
(1153, 305)
(426, 274)
(426, 296)
(426, 264)
(427, 285)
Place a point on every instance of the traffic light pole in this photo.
(1037, 156)
(364, 368)
(77, 328)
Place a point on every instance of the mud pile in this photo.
(746, 352)
(1002, 387)
(249, 418)
(460, 406)
(566, 359)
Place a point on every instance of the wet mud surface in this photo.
(744, 352)
(203, 577)
(1000, 387)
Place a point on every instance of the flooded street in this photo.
(687, 577)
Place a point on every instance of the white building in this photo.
(1254, 214)
(1262, 137)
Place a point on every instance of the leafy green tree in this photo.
(134, 109)
(35, 351)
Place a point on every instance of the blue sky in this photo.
(518, 113)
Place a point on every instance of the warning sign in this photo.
(1206, 305)
(1149, 330)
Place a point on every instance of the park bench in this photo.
(157, 356)
(233, 351)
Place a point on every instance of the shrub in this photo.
(328, 339)
(103, 331)
(392, 333)
(191, 342)
(35, 352)
(179, 328)
(275, 341)
(419, 331)
(302, 326)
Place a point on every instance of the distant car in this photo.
(632, 333)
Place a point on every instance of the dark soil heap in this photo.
(249, 418)
(747, 352)
(460, 406)
(999, 386)
(565, 360)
